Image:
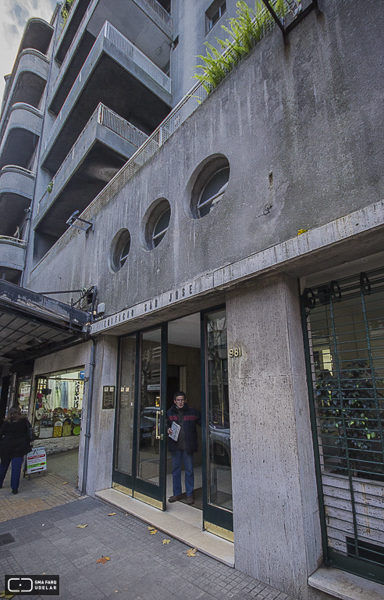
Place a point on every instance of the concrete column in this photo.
(100, 457)
(276, 522)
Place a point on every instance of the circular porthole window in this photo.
(209, 187)
(120, 247)
(157, 223)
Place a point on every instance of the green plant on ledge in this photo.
(245, 30)
(50, 187)
(66, 9)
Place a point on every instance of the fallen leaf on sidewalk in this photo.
(65, 482)
(4, 594)
(103, 560)
(111, 514)
(82, 526)
(166, 542)
(191, 552)
(152, 530)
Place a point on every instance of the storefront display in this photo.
(59, 400)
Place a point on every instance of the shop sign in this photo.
(36, 460)
(108, 396)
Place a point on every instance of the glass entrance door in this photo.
(150, 459)
(139, 462)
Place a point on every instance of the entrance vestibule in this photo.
(188, 354)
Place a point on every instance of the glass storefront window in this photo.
(59, 400)
(219, 438)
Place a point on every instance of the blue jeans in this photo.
(178, 457)
(16, 470)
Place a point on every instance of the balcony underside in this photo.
(138, 100)
(12, 254)
(21, 136)
(97, 169)
(37, 35)
(16, 193)
(137, 20)
(19, 147)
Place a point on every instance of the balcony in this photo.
(37, 35)
(16, 193)
(103, 147)
(144, 96)
(144, 22)
(28, 81)
(12, 255)
(21, 135)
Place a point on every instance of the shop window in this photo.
(156, 223)
(58, 404)
(210, 186)
(120, 247)
(214, 13)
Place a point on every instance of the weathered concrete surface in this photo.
(273, 479)
(290, 144)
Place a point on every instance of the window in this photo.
(209, 187)
(161, 227)
(214, 13)
(212, 192)
(120, 247)
(156, 223)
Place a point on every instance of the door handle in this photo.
(159, 436)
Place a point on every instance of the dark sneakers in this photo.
(15, 491)
(175, 498)
(190, 500)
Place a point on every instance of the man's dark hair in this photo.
(179, 394)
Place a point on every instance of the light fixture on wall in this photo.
(74, 217)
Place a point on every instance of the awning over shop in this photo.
(33, 325)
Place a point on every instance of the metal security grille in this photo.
(344, 325)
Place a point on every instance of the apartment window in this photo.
(156, 223)
(214, 13)
(120, 247)
(210, 185)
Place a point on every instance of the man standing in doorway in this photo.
(183, 448)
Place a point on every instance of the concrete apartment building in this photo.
(155, 237)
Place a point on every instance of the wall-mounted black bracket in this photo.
(74, 217)
(300, 14)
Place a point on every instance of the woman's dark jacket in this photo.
(192, 417)
(14, 439)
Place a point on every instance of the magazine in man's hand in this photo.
(175, 431)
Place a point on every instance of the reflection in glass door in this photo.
(218, 492)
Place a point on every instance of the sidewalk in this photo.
(42, 520)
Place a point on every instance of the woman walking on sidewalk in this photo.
(14, 444)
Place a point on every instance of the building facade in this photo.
(226, 242)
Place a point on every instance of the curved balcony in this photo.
(144, 96)
(102, 148)
(12, 256)
(37, 35)
(28, 81)
(16, 193)
(21, 135)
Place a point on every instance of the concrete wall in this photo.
(276, 522)
(100, 459)
(291, 145)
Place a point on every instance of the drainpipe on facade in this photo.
(89, 413)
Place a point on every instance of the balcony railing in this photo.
(106, 117)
